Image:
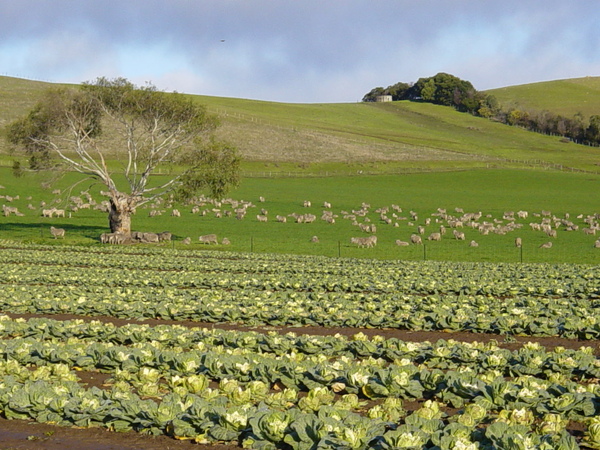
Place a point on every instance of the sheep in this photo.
(175, 213)
(518, 242)
(590, 231)
(400, 243)
(149, 238)
(8, 210)
(597, 243)
(164, 236)
(421, 229)
(459, 235)
(225, 241)
(261, 199)
(47, 212)
(261, 218)
(281, 219)
(370, 241)
(187, 241)
(546, 245)
(314, 239)
(435, 237)
(327, 205)
(208, 239)
(57, 232)
(473, 244)
(113, 238)
(551, 233)
(416, 239)
(306, 204)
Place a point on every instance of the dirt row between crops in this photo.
(18, 434)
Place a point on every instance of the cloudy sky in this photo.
(302, 51)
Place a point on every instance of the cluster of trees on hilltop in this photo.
(449, 90)
(441, 89)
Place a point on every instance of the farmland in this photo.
(280, 340)
(280, 387)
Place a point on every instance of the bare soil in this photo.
(18, 434)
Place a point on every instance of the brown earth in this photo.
(18, 434)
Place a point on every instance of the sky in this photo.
(298, 51)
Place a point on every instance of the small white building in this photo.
(383, 98)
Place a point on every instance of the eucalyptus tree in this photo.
(127, 137)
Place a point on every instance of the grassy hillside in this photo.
(566, 97)
(351, 137)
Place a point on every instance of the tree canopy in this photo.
(87, 129)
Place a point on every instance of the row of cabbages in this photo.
(74, 292)
(494, 411)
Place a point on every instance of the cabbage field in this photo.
(265, 383)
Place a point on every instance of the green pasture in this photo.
(567, 97)
(369, 137)
(490, 191)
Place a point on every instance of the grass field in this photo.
(378, 138)
(566, 97)
(490, 191)
(418, 156)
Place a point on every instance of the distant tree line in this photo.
(449, 90)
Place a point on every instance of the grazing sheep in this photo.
(261, 218)
(164, 236)
(473, 244)
(546, 245)
(187, 241)
(370, 241)
(281, 219)
(8, 210)
(57, 232)
(551, 233)
(149, 238)
(306, 204)
(400, 243)
(421, 229)
(314, 239)
(597, 244)
(589, 231)
(261, 199)
(435, 237)
(225, 241)
(518, 242)
(459, 235)
(113, 238)
(175, 213)
(416, 239)
(208, 239)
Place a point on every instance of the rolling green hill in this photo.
(372, 137)
(566, 97)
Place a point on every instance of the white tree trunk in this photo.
(119, 216)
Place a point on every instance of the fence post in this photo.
(521, 252)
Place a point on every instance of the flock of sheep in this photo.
(439, 225)
(435, 227)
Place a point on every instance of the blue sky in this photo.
(298, 50)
